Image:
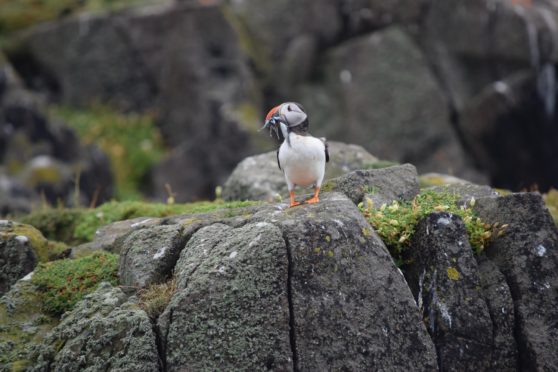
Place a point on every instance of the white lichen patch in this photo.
(22, 239)
(28, 276)
(540, 250)
(445, 313)
(233, 254)
(160, 253)
(443, 221)
(140, 222)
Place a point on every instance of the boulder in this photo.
(315, 284)
(231, 309)
(23, 325)
(378, 186)
(527, 255)
(258, 177)
(398, 88)
(148, 256)
(444, 278)
(108, 237)
(102, 332)
(497, 295)
(40, 158)
(21, 248)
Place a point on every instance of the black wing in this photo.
(326, 152)
(279, 164)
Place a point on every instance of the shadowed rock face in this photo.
(527, 255)
(444, 278)
(314, 288)
(102, 332)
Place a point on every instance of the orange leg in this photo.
(314, 199)
(294, 203)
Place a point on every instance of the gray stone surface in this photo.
(497, 295)
(17, 258)
(148, 256)
(380, 186)
(259, 178)
(527, 255)
(231, 309)
(378, 91)
(444, 278)
(102, 332)
(351, 307)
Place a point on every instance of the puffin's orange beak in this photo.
(272, 112)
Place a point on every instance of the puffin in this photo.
(301, 156)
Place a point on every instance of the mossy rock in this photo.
(44, 250)
(23, 325)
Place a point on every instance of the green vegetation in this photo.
(396, 223)
(19, 14)
(75, 226)
(63, 283)
(131, 141)
(551, 201)
(155, 299)
(44, 249)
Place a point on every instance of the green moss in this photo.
(551, 201)
(44, 249)
(396, 223)
(453, 274)
(76, 226)
(19, 14)
(328, 186)
(380, 164)
(22, 325)
(131, 141)
(63, 283)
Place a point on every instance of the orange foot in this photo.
(314, 199)
(294, 203)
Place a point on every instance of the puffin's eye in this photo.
(289, 108)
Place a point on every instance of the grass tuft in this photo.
(154, 300)
(396, 223)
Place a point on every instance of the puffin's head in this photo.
(291, 114)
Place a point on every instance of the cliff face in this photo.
(315, 288)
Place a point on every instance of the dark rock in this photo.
(259, 178)
(510, 133)
(102, 332)
(444, 278)
(17, 259)
(378, 185)
(21, 248)
(497, 295)
(109, 237)
(467, 192)
(398, 88)
(351, 307)
(148, 256)
(14, 197)
(527, 255)
(231, 309)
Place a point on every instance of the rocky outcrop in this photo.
(103, 332)
(21, 248)
(499, 78)
(40, 158)
(527, 255)
(259, 177)
(444, 278)
(320, 280)
(378, 186)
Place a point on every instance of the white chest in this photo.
(303, 162)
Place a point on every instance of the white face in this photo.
(292, 113)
